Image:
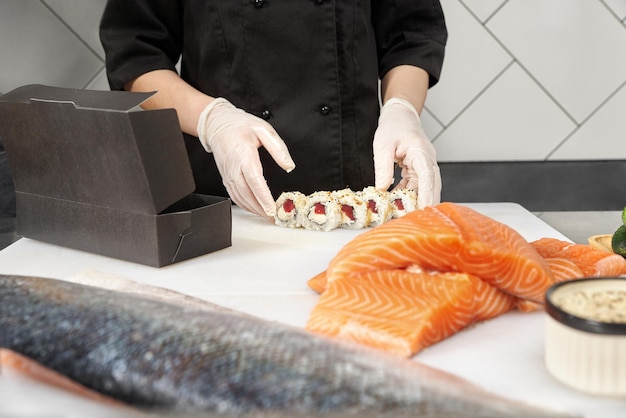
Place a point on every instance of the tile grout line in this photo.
(432, 115)
(94, 77)
(584, 121)
(469, 9)
(478, 95)
(536, 81)
(81, 40)
(610, 9)
(532, 77)
(513, 61)
(489, 84)
(495, 12)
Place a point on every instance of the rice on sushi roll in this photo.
(379, 208)
(321, 212)
(353, 208)
(289, 209)
(402, 201)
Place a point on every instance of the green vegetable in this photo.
(618, 242)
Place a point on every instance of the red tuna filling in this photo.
(371, 205)
(319, 209)
(348, 211)
(288, 205)
(399, 204)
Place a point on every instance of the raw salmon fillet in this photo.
(423, 237)
(402, 312)
(563, 269)
(448, 237)
(418, 279)
(318, 282)
(498, 254)
(589, 261)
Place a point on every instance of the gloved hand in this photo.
(400, 138)
(234, 137)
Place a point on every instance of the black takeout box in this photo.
(94, 172)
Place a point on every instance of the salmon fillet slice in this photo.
(318, 282)
(569, 261)
(402, 312)
(418, 279)
(563, 269)
(498, 254)
(422, 237)
(448, 237)
(590, 261)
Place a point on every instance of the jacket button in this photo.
(324, 110)
(259, 3)
(266, 114)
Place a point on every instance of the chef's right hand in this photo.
(234, 137)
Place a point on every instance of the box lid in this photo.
(100, 148)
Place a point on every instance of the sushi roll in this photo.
(378, 207)
(353, 209)
(321, 212)
(289, 209)
(402, 201)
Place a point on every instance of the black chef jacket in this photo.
(311, 68)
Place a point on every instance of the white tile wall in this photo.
(575, 62)
(618, 7)
(36, 46)
(501, 125)
(523, 79)
(475, 62)
(560, 96)
(598, 136)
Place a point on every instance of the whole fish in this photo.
(176, 359)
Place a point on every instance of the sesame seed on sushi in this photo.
(321, 212)
(354, 213)
(289, 209)
(378, 207)
(402, 201)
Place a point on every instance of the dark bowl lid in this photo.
(578, 322)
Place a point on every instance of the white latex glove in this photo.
(234, 137)
(400, 138)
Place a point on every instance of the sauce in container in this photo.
(605, 305)
(586, 334)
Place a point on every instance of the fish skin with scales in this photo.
(169, 358)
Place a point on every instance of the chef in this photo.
(283, 95)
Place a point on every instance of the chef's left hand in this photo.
(400, 138)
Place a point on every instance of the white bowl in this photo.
(585, 341)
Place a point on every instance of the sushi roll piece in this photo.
(322, 212)
(402, 201)
(289, 209)
(353, 209)
(378, 207)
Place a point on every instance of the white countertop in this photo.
(265, 272)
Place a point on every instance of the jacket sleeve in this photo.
(139, 36)
(410, 32)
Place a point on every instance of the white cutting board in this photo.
(265, 272)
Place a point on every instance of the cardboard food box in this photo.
(94, 172)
